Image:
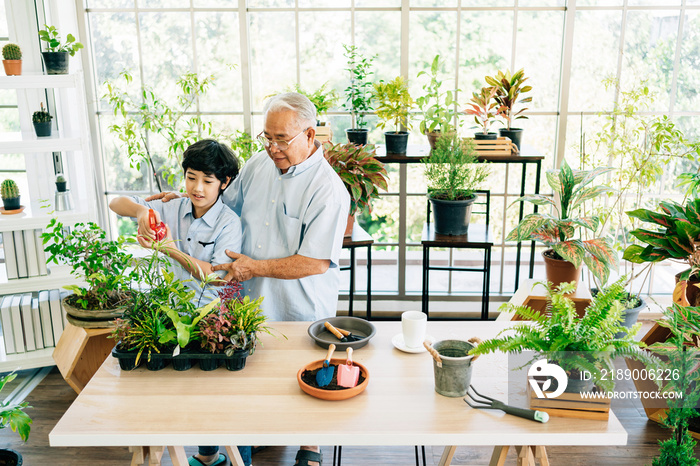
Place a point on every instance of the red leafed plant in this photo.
(483, 108)
(362, 174)
(557, 231)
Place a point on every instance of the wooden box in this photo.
(324, 133)
(500, 146)
(571, 405)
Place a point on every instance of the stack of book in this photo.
(24, 254)
(32, 321)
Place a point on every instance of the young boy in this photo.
(200, 228)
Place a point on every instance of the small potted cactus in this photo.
(10, 195)
(42, 122)
(61, 183)
(12, 59)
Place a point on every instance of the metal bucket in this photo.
(453, 375)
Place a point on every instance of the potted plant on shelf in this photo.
(323, 100)
(394, 104)
(358, 95)
(577, 343)
(678, 238)
(42, 122)
(56, 55)
(12, 415)
(12, 59)
(565, 254)
(103, 265)
(453, 173)
(484, 109)
(10, 195)
(509, 87)
(437, 106)
(362, 174)
(61, 183)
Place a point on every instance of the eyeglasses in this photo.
(279, 144)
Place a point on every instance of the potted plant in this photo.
(578, 344)
(394, 104)
(61, 183)
(681, 355)
(484, 109)
(56, 55)
(362, 174)
(453, 173)
(437, 106)
(557, 231)
(103, 265)
(358, 95)
(12, 415)
(509, 87)
(10, 195)
(12, 59)
(42, 122)
(678, 238)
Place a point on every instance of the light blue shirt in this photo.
(303, 211)
(206, 238)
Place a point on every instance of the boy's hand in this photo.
(144, 222)
(148, 242)
(241, 269)
(165, 197)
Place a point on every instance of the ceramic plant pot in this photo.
(357, 136)
(559, 271)
(12, 67)
(396, 142)
(515, 135)
(452, 217)
(56, 62)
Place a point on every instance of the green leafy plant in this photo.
(322, 98)
(104, 265)
(244, 145)
(453, 170)
(438, 107)
(394, 103)
(362, 174)
(12, 415)
(682, 360)
(557, 231)
(483, 108)
(358, 95)
(41, 116)
(11, 52)
(576, 343)
(145, 328)
(9, 189)
(138, 121)
(509, 87)
(51, 36)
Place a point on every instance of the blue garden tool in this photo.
(490, 403)
(325, 374)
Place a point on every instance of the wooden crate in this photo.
(324, 133)
(500, 146)
(571, 405)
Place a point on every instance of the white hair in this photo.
(298, 103)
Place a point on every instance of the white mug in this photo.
(413, 326)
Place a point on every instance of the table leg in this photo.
(369, 282)
(537, 191)
(234, 456)
(155, 454)
(139, 455)
(352, 281)
(178, 456)
(447, 455)
(498, 458)
(541, 455)
(525, 455)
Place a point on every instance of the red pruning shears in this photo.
(159, 228)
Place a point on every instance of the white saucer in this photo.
(398, 342)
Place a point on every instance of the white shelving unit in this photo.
(71, 138)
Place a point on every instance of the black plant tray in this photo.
(182, 362)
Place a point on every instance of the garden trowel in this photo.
(325, 374)
(348, 373)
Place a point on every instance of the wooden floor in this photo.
(53, 396)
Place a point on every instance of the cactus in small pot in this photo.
(42, 122)
(10, 195)
(12, 59)
(61, 183)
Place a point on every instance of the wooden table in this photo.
(263, 405)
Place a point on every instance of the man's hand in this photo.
(241, 269)
(165, 197)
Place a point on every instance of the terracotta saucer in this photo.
(11, 212)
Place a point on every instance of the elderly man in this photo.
(293, 209)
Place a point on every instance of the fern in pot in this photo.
(453, 173)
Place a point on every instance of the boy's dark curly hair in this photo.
(212, 158)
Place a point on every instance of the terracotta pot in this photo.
(349, 227)
(432, 137)
(12, 67)
(333, 395)
(692, 291)
(560, 271)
